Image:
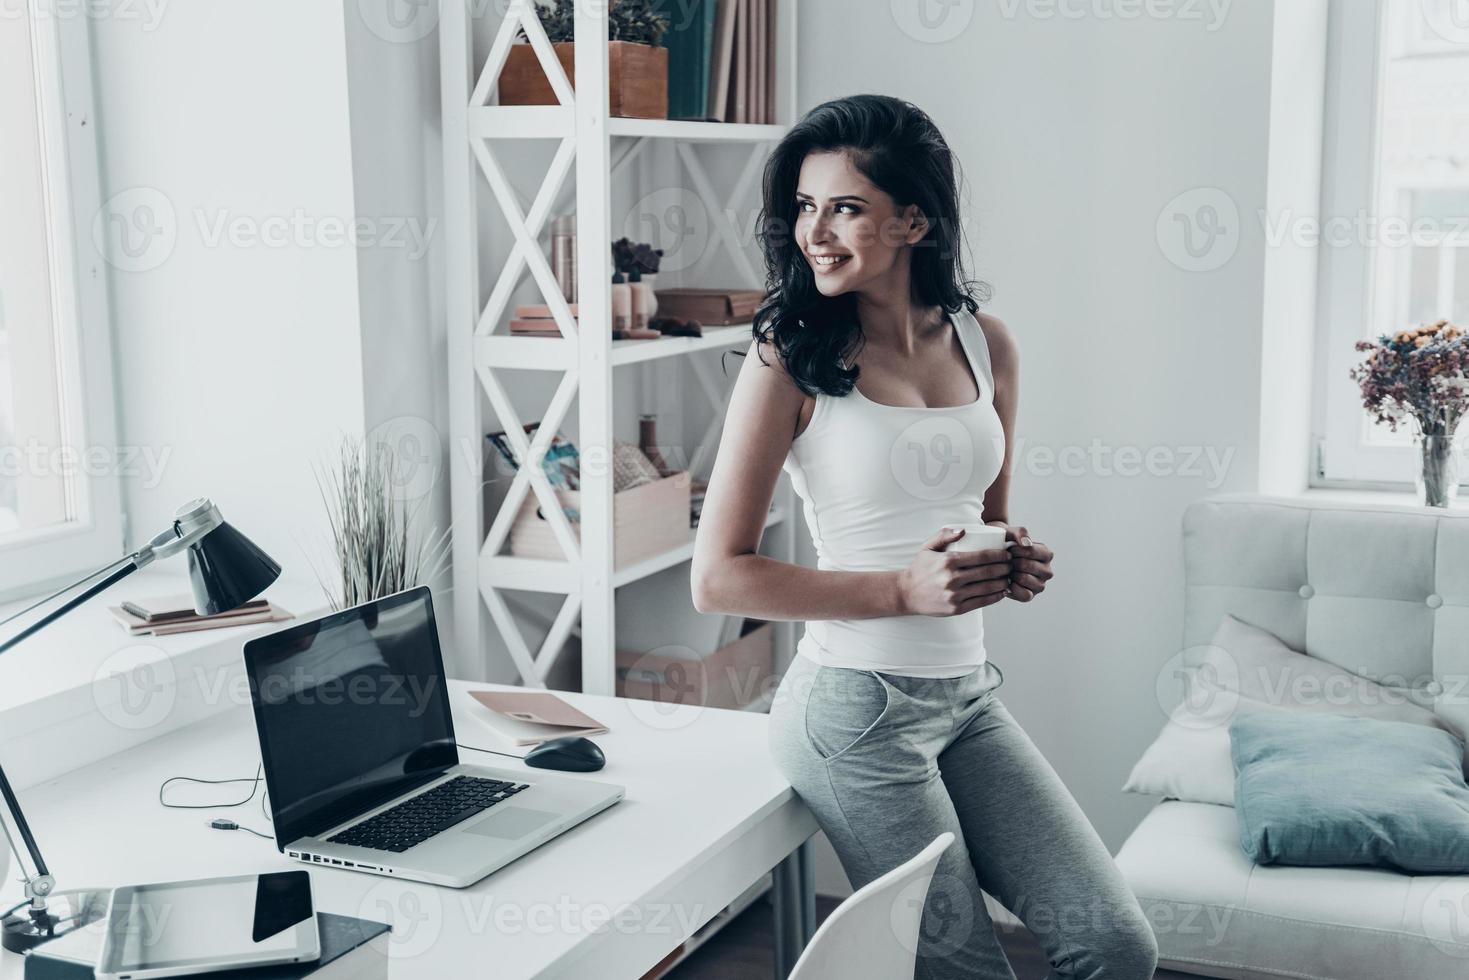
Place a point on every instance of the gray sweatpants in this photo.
(888, 762)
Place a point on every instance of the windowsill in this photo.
(60, 676)
(1378, 498)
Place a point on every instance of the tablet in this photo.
(183, 927)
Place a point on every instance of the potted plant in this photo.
(628, 255)
(637, 63)
(377, 544)
(1421, 375)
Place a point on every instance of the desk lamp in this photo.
(226, 570)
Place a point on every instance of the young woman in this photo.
(891, 402)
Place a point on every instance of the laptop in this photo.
(357, 743)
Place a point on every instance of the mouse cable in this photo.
(254, 782)
(508, 755)
(220, 823)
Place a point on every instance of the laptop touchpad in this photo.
(510, 823)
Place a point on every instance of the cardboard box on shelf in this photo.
(733, 676)
(648, 520)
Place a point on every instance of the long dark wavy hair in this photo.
(896, 146)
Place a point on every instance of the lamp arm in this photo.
(40, 884)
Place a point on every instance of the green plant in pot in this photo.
(637, 61)
(378, 545)
(635, 21)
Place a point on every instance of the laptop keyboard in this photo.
(414, 821)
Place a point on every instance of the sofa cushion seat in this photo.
(1216, 913)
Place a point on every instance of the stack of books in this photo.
(166, 615)
(536, 321)
(711, 307)
(721, 59)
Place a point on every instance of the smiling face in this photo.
(852, 233)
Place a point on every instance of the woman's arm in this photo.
(729, 575)
(1030, 560)
(1005, 367)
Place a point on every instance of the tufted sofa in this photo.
(1383, 591)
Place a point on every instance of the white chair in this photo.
(874, 934)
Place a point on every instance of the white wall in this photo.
(1074, 136)
(239, 358)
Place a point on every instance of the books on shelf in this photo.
(711, 307)
(721, 59)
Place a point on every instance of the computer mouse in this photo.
(570, 754)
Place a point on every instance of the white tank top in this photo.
(876, 482)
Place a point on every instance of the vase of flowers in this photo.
(1421, 375)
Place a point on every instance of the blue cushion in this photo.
(1335, 790)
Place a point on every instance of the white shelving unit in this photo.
(593, 147)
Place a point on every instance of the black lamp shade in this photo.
(227, 569)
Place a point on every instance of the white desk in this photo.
(706, 816)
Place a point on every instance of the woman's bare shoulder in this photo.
(1004, 353)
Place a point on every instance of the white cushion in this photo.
(1245, 669)
(1217, 914)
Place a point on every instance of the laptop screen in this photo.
(352, 710)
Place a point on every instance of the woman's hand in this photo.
(1030, 567)
(950, 583)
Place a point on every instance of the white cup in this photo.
(977, 537)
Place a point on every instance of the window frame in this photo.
(1346, 453)
(31, 561)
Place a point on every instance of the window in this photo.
(1395, 216)
(59, 498)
